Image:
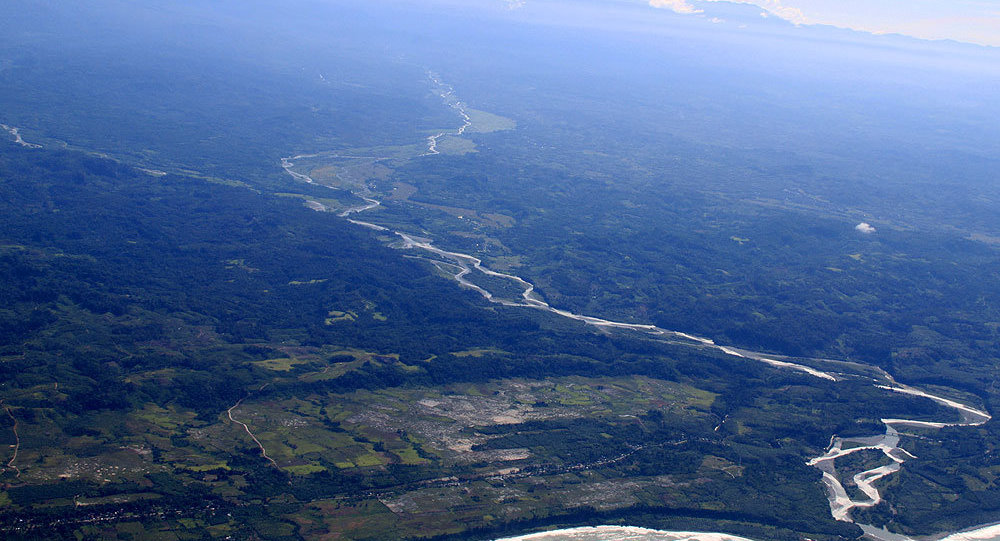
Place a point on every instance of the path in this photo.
(229, 412)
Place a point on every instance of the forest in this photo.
(197, 342)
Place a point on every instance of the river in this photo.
(459, 266)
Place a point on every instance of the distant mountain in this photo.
(751, 16)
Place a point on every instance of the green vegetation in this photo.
(486, 122)
(135, 418)
(422, 400)
(202, 353)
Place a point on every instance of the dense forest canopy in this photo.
(266, 269)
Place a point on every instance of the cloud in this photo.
(514, 4)
(678, 6)
(865, 228)
(792, 14)
(971, 21)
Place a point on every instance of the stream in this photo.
(16, 134)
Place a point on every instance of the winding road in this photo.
(17, 441)
(229, 412)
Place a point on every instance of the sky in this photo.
(971, 21)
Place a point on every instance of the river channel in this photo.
(460, 266)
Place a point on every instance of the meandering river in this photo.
(460, 266)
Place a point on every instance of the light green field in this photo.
(484, 122)
(336, 316)
(408, 425)
(281, 364)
